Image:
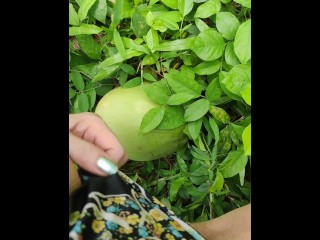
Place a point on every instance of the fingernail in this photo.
(107, 166)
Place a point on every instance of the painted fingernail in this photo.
(107, 166)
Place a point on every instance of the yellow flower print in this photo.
(177, 226)
(157, 214)
(158, 202)
(108, 202)
(169, 236)
(133, 219)
(98, 226)
(158, 229)
(125, 230)
(119, 200)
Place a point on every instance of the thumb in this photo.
(90, 157)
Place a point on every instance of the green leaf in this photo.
(238, 79)
(196, 110)
(152, 119)
(171, 3)
(238, 130)
(129, 43)
(99, 10)
(119, 44)
(128, 69)
(245, 3)
(149, 77)
(170, 19)
(185, 6)
(160, 185)
(209, 45)
(116, 58)
(73, 16)
(84, 9)
(151, 2)
(235, 162)
(91, 97)
(150, 59)
(132, 83)
(207, 68)
(89, 46)
(227, 24)
(242, 42)
(208, 8)
(213, 91)
(176, 45)
(225, 141)
(175, 186)
(152, 39)
(241, 176)
(77, 80)
(220, 114)
(233, 136)
(201, 155)
(84, 29)
(139, 25)
(156, 93)
(230, 56)
(83, 102)
(117, 14)
(225, 1)
(182, 84)
(222, 76)
(246, 139)
(173, 118)
(105, 72)
(218, 183)
(179, 98)
(123, 77)
(194, 128)
(201, 25)
(215, 129)
(182, 165)
(72, 93)
(246, 94)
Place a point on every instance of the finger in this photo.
(90, 157)
(92, 128)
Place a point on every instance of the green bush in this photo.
(196, 55)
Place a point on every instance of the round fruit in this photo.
(123, 109)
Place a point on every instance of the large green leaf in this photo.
(209, 45)
(196, 110)
(219, 114)
(201, 25)
(173, 118)
(119, 44)
(176, 45)
(207, 68)
(84, 9)
(208, 9)
(185, 6)
(89, 46)
(105, 72)
(152, 119)
(116, 16)
(227, 24)
(83, 102)
(246, 138)
(84, 29)
(218, 183)
(171, 3)
(139, 25)
(179, 98)
(156, 93)
(152, 39)
(213, 91)
(245, 3)
(132, 82)
(235, 162)
(194, 128)
(230, 56)
(77, 80)
(246, 94)
(73, 16)
(99, 10)
(242, 42)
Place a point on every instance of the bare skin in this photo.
(90, 138)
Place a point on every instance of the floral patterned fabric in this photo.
(115, 207)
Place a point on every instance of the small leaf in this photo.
(230, 56)
(201, 25)
(171, 3)
(241, 176)
(194, 128)
(83, 102)
(72, 93)
(185, 6)
(173, 118)
(214, 128)
(89, 46)
(246, 138)
(176, 45)
(245, 3)
(117, 14)
(139, 25)
(201, 155)
(156, 93)
(77, 80)
(99, 10)
(208, 8)
(84, 9)
(235, 162)
(123, 77)
(218, 183)
(220, 114)
(225, 141)
(105, 72)
(196, 110)
(214, 91)
(132, 83)
(152, 39)
(119, 44)
(152, 119)
(179, 98)
(150, 59)
(175, 186)
(128, 69)
(91, 97)
(227, 24)
(73, 16)
(149, 77)
(207, 68)
(84, 29)
(246, 94)
(182, 165)
(242, 42)
(209, 45)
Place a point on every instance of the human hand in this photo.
(90, 139)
